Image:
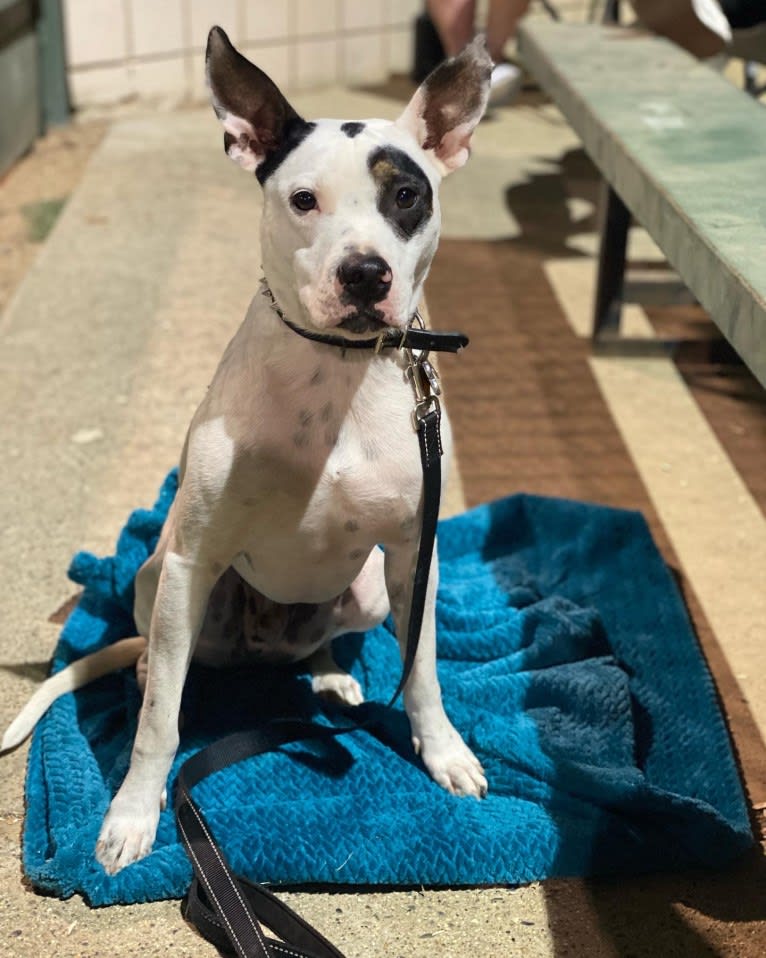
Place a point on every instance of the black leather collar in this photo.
(425, 340)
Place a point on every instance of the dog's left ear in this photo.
(447, 106)
(256, 117)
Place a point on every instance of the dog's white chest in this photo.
(346, 478)
(371, 479)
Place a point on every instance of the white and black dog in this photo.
(301, 460)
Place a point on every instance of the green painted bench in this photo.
(682, 151)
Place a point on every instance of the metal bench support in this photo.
(615, 223)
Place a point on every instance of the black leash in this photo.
(229, 910)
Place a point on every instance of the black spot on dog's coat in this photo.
(352, 128)
(393, 171)
(294, 133)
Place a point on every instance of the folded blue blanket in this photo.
(566, 660)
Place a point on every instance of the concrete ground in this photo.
(107, 345)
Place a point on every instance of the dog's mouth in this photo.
(369, 320)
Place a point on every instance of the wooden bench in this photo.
(681, 150)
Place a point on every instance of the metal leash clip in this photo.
(425, 381)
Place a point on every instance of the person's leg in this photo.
(503, 19)
(698, 26)
(454, 22)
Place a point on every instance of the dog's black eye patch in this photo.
(294, 133)
(352, 128)
(405, 197)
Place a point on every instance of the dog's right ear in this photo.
(255, 115)
(447, 106)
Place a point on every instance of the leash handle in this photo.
(227, 909)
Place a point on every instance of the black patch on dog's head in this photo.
(352, 128)
(294, 133)
(394, 171)
(254, 113)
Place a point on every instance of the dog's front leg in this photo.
(131, 822)
(444, 753)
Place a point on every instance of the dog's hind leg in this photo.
(332, 683)
(361, 607)
(364, 604)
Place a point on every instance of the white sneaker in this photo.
(710, 14)
(504, 84)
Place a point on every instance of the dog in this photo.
(301, 461)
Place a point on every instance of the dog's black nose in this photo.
(366, 279)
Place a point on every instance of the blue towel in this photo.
(567, 661)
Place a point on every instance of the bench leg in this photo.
(611, 11)
(615, 222)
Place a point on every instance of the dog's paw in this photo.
(451, 763)
(337, 688)
(127, 835)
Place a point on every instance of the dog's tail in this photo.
(119, 655)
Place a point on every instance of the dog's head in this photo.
(351, 214)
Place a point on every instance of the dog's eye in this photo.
(406, 198)
(303, 200)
